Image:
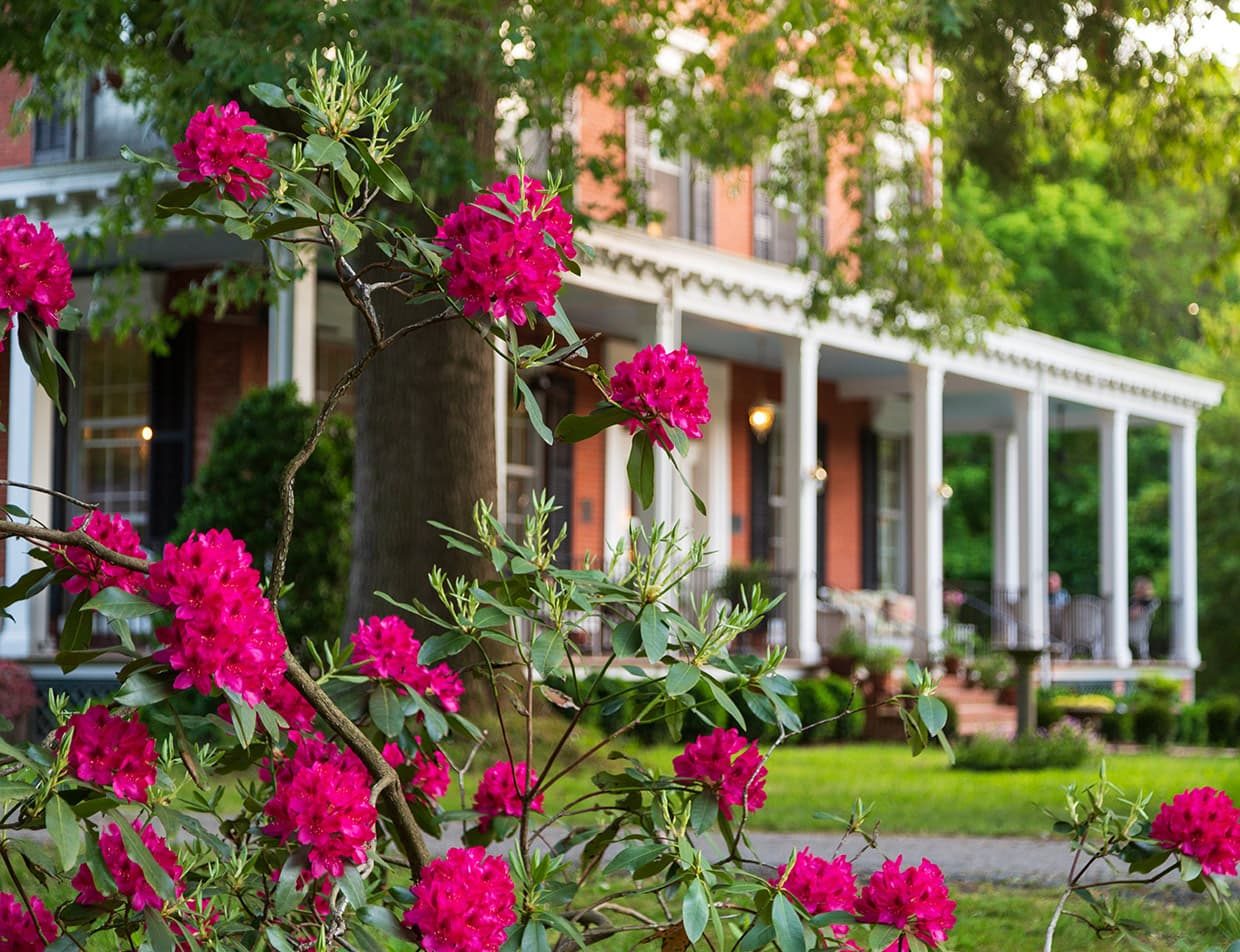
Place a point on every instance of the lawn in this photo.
(926, 795)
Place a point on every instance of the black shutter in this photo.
(759, 500)
(172, 445)
(821, 511)
(559, 403)
(869, 509)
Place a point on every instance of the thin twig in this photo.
(75, 537)
(81, 504)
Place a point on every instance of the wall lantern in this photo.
(761, 419)
(818, 473)
(944, 491)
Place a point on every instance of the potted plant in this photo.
(880, 663)
(847, 652)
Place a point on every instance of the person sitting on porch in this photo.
(1141, 608)
(1057, 599)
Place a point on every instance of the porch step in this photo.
(977, 711)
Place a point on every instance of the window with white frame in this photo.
(679, 188)
(892, 531)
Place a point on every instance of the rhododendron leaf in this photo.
(575, 427)
(385, 922)
(179, 199)
(388, 176)
(681, 679)
(558, 319)
(547, 652)
(534, 938)
(269, 94)
(883, 936)
(347, 235)
(789, 932)
(284, 225)
(244, 718)
(1190, 868)
(63, 828)
(279, 940)
(933, 713)
(157, 932)
(291, 885)
(386, 711)
(322, 151)
(351, 885)
(142, 688)
(654, 634)
(435, 649)
(129, 155)
(155, 874)
(75, 633)
(703, 810)
(532, 409)
(465, 726)
(436, 726)
(759, 935)
(14, 790)
(695, 910)
(725, 702)
(634, 856)
(118, 603)
(641, 469)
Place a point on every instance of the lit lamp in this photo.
(818, 473)
(761, 419)
(944, 491)
(147, 434)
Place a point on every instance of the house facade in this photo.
(823, 460)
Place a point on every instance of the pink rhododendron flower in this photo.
(217, 148)
(111, 751)
(35, 278)
(21, 933)
(501, 789)
(431, 777)
(915, 899)
(224, 633)
(386, 648)
(496, 266)
(663, 389)
(93, 574)
(126, 873)
(1202, 823)
(322, 801)
(463, 902)
(728, 763)
(821, 885)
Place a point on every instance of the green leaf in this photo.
(534, 938)
(158, 933)
(547, 651)
(1190, 868)
(322, 151)
(654, 634)
(63, 828)
(641, 469)
(270, 94)
(76, 631)
(388, 176)
(282, 226)
(574, 428)
(625, 639)
(279, 940)
(159, 880)
(436, 725)
(725, 702)
(789, 933)
(532, 409)
(759, 936)
(881, 937)
(695, 910)
(633, 856)
(681, 679)
(933, 714)
(386, 711)
(347, 234)
(353, 888)
(288, 891)
(244, 717)
(14, 790)
(436, 649)
(141, 689)
(118, 603)
(180, 199)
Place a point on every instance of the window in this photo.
(777, 227)
(891, 532)
(53, 137)
(678, 188)
(533, 466)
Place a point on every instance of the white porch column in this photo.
(617, 497)
(291, 331)
(1031, 438)
(800, 430)
(1113, 532)
(666, 331)
(30, 461)
(1005, 532)
(926, 387)
(1184, 544)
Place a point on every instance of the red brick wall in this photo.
(733, 201)
(14, 149)
(231, 360)
(601, 128)
(588, 476)
(845, 420)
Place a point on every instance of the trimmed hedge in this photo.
(1061, 746)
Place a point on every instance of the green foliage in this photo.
(1192, 728)
(239, 489)
(1223, 720)
(1062, 746)
(1153, 721)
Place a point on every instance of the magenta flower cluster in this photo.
(113, 531)
(322, 801)
(730, 765)
(662, 389)
(217, 148)
(19, 931)
(112, 751)
(499, 259)
(430, 777)
(501, 791)
(35, 278)
(463, 902)
(914, 899)
(223, 633)
(130, 881)
(1202, 823)
(386, 648)
(821, 885)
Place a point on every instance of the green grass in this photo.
(925, 795)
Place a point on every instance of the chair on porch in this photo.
(1083, 627)
(1139, 620)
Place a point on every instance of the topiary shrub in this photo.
(238, 490)
(1153, 721)
(1065, 745)
(1192, 727)
(817, 701)
(1223, 720)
